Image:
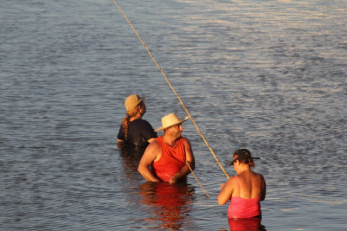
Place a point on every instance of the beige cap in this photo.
(132, 101)
(170, 120)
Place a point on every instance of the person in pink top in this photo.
(245, 190)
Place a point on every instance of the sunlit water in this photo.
(269, 76)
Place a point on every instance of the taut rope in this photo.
(161, 70)
(197, 180)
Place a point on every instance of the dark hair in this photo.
(250, 162)
(246, 157)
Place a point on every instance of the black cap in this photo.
(242, 154)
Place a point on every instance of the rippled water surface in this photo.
(269, 76)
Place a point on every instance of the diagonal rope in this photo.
(197, 180)
(161, 70)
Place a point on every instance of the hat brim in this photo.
(141, 99)
(162, 128)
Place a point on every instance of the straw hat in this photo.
(170, 120)
(132, 101)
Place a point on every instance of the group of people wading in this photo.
(169, 158)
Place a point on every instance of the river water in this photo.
(269, 76)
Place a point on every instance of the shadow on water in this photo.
(169, 205)
(131, 158)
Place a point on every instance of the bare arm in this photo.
(227, 190)
(151, 153)
(184, 171)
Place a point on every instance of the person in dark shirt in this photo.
(134, 130)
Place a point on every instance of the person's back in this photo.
(246, 196)
(134, 130)
(250, 184)
(246, 190)
(139, 132)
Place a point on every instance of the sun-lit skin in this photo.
(154, 152)
(252, 184)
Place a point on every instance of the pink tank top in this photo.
(171, 161)
(244, 208)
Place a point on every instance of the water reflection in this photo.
(170, 205)
(246, 224)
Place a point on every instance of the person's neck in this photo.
(169, 140)
(137, 116)
(244, 169)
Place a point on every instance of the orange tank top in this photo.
(171, 161)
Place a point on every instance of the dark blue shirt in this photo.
(139, 132)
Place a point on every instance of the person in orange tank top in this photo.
(167, 158)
